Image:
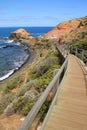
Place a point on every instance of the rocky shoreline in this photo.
(29, 60)
(22, 89)
(21, 36)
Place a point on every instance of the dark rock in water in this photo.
(4, 38)
(20, 34)
(7, 46)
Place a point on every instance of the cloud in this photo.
(33, 21)
(29, 21)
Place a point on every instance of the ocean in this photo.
(35, 31)
(14, 54)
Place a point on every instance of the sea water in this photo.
(14, 54)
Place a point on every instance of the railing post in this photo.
(82, 55)
(76, 52)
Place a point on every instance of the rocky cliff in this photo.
(23, 36)
(69, 31)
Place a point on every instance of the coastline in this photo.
(28, 61)
(30, 58)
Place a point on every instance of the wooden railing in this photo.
(53, 86)
(80, 53)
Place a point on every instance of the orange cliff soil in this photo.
(62, 28)
(66, 29)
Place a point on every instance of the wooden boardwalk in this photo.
(70, 111)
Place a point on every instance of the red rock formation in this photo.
(70, 28)
(62, 29)
(20, 34)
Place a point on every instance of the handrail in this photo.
(54, 102)
(26, 124)
(80, 53)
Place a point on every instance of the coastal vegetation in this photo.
(81, 44)
(19, 92)
(27, 85)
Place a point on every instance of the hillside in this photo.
(19, 92)
(69, 31)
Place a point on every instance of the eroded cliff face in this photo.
(69, 31)
(20, 33)
(23, 36)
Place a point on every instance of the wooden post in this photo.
(82, 55)
(76, 52)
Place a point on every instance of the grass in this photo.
(4, 102)
(35, 76)
(23, 106)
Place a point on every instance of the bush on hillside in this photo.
(44, 109)
(23, 105)
(4, 101)
(82, 45)
(44, 66)
(26, 87)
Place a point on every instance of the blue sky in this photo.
(40, 12)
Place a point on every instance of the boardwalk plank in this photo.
(70, 112)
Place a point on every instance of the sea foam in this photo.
(7, 75)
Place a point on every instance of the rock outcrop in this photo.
(69, 31)
(20, 34)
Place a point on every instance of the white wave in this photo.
(2, 47)
(7, 75)
(18, 64)
(17, 43)
(9, 41)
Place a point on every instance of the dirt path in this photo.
(10, 123)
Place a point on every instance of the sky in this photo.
(29, 13)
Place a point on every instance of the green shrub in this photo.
(4, 101)
(23, 106)
(27, 108)
(43, 81)
(26, 87)
(44, 66)
(44, 109)
(82, 44)
(44, 40)
(18, 106)
(10, 86)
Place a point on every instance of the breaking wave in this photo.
(12, 56)
(7, 75)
